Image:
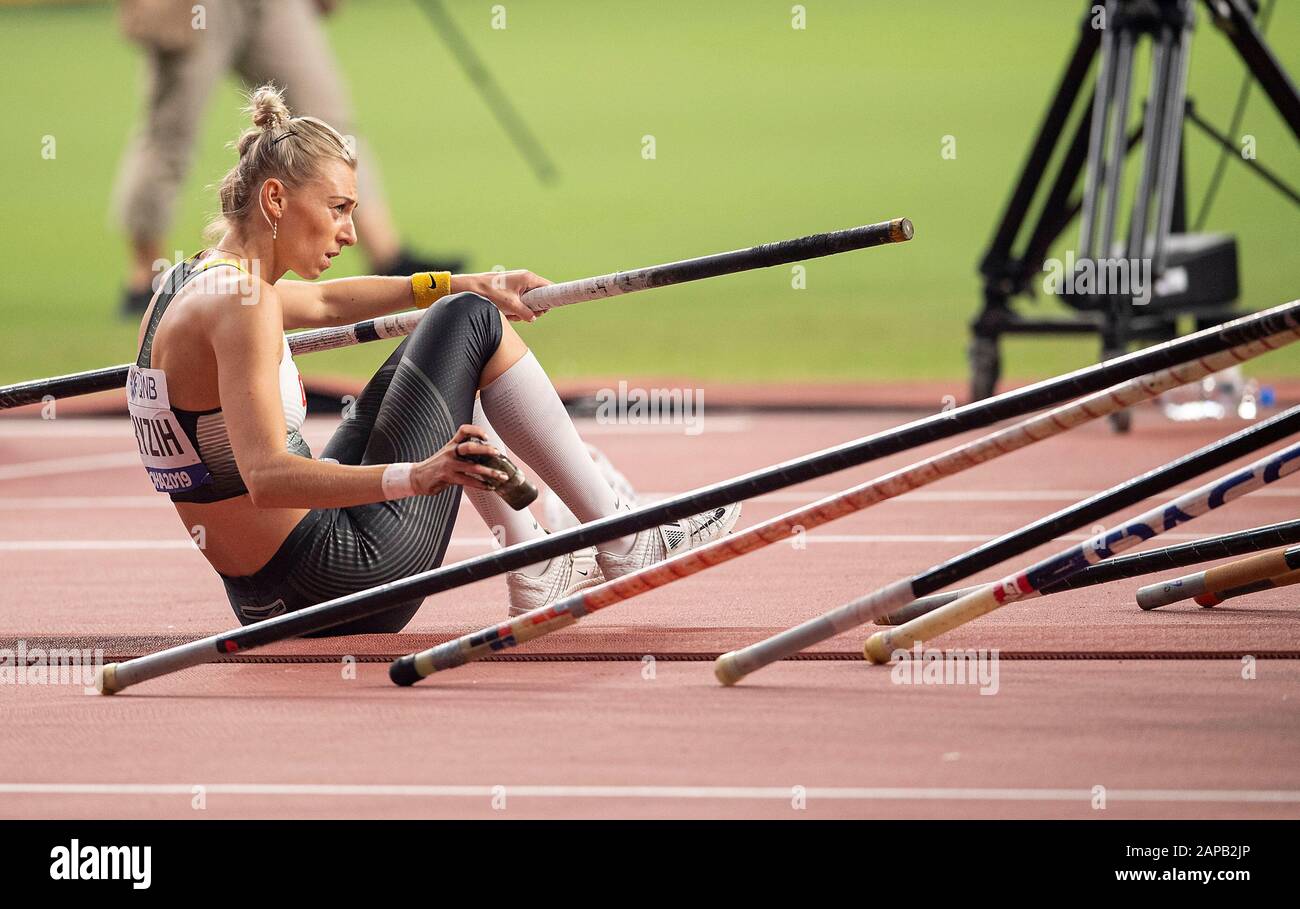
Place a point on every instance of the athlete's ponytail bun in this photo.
(279, 145)
(267, 106)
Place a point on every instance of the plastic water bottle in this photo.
(1248, 405)
(1215, 397)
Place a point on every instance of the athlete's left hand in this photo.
(503, 288)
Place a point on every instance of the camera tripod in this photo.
(1165, 272)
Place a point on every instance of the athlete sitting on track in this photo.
(217, 403)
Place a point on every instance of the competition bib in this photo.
(166, 451)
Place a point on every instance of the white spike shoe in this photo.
(667, 540)
(564, 576)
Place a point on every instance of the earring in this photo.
(275, 229)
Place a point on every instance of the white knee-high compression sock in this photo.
(524, 408)
(506, 524)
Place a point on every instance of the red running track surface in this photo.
(1158, 714)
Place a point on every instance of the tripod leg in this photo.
(1101, 105)
(983, 354)
(1171, 134)
(1003, 275)
(1264, 173)
(1179, 223)
(1058, 211)
(1240, 29)
(1031, 173)
(1121, 421)
(985, 361)
(1119, 143)
(1152, 129)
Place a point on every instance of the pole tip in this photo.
(901, 229)
(106, 679)
(1153, 596)
(877, 649)
(402, 671)
(725, 669)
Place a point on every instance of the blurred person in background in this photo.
(189, 47)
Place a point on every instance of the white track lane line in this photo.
(65, 429)
(736, 793)
(54, 503)
(318, 429)
(82, 503)
(79, 464)
(801, 497)
(487, 543)
(92, 545)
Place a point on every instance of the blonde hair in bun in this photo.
(267, 106)
(279, 145)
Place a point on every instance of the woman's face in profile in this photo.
(317, 221)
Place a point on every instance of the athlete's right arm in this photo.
(247, 344)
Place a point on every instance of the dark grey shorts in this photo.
(408, 410)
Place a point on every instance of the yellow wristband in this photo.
(429, 287)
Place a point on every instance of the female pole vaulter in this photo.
(217, 403)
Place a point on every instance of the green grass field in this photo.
(762, 132)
